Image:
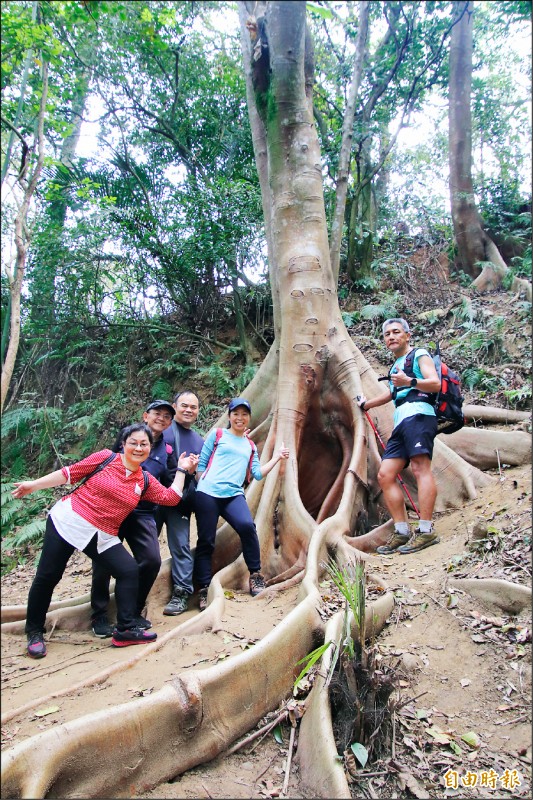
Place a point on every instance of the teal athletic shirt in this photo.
(410, 409)
(229, 465)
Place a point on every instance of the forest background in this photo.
(129, 183)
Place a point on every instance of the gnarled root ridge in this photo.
(488, 449)
(510, 597)
(138, 745)
(322, 774)
(145, 742)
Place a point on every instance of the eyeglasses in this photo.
(140, 445)
(157, 415)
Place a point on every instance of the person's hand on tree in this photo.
(283, 452)
(361, 400)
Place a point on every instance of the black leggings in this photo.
(235, 511)
(54, 558)
(140, 532)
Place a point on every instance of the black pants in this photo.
(235, 511)
(140, 531)
(54, 558)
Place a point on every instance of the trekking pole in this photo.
(398, 476)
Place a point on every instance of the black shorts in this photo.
(414, 436)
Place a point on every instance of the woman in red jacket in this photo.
(88, 519)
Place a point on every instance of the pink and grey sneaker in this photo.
(36, 646)
(133, 635)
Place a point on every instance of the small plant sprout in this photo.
(350, 580)
(309, 660)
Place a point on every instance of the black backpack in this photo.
(448, 402)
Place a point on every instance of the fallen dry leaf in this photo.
(43, 712)
(408, 781)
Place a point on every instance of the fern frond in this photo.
(15, 417)
(32, 532)
(9, 511)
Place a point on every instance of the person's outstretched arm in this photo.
(23, 488)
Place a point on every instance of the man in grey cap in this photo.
(412, 438)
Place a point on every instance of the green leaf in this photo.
(455, 747)
(278, 736)
(360, 752)
(325, 13)
(439, 736)
(472, 739)
(310, 660)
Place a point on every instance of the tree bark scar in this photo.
(304, 264)
(308, 373)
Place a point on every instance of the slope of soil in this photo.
(464, 667)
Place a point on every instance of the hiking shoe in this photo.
(202, 598)
(395, 541)
(101, 627)
(419, 541)
(257, 583)
(133, 635)
(177, 604)
(36, 646)
(142, 622)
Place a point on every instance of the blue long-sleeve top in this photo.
(227, 472)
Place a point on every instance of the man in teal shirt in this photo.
(412, 438)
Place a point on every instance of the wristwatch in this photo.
(413, 382)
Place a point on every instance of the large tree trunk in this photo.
(362, 224)
(45, 269)
(477, 254)
(22, 241)
(345, 154)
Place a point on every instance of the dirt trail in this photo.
(466, 669)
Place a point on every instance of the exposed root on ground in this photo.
(509, 597)
(493, 414)
(158, 737)
(487, 449)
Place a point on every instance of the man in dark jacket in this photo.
(178, 519)
(139, 528)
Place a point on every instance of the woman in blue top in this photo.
(222, 466)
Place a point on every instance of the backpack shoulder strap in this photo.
(218, 437)
(97, 469)
(146, 478)
(249, 469)
(408, 365)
